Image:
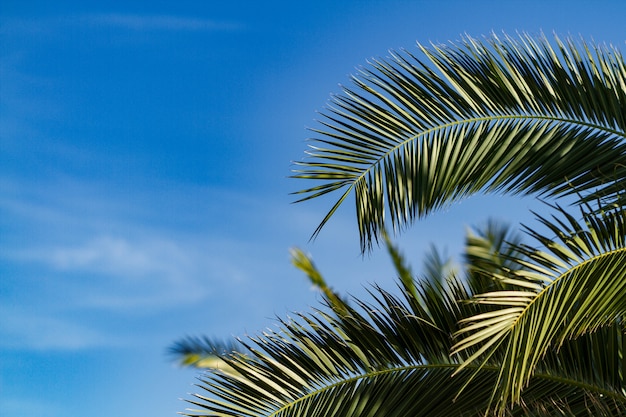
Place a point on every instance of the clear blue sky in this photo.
(145, 149)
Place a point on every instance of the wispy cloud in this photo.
(87, 255)
(138, 273)
(135, 22)
(162, 22)
(114, 252)
(116, 255)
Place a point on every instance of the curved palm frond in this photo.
(575, 286)
(499, 115)
(387, 358)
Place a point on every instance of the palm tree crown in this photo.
(520, 328)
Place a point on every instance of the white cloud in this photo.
(118, 256)
(124, 272)
(171, 23)
(112, 252)
(47, 26)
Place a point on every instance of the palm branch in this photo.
(203, 353)
(510, 115)
(568, 298)
(391, 357)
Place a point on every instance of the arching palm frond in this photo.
(573, 287)
(386, 358)
(508, 115)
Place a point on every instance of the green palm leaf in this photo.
(390, 358)
(507, 115)
(203, 353)
(575, 286)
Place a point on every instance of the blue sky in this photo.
(145, 149)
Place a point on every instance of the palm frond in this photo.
(575, 286)
(203, 353)
(521, 115)
(388, 357)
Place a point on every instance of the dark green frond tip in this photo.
(419, 131)
(304, 263)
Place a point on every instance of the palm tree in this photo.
(520, 329)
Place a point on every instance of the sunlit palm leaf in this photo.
(388, 358)
(412, 391)
(509, 115)
(575, 286)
